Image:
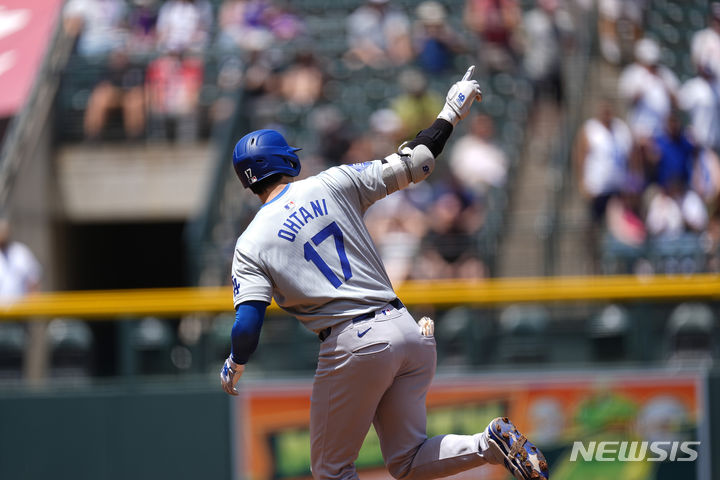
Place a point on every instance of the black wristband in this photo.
(433, 137)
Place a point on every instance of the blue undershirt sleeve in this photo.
(246, 330)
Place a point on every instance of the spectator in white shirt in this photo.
(602, 154)
(705, 45)
(673, 212)
(705, 178)
(100, 25)
(649, 88)
(475, 160)
(700, 97)
(20, 271)
(547, 34)
(378, 35)
(184, 25)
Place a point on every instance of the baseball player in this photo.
(308, 248)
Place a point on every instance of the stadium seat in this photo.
(608, 331)
(70, 342)
(12, 346)
(151, 342)
(691, 334)
(523, 334)
(452, 333)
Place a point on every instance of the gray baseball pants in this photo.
(378, 371)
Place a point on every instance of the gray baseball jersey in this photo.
(310, 250)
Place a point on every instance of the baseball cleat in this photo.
(523, 459)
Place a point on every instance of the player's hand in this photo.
(230, 374)
(460, 98)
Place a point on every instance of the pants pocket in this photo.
(371, 349)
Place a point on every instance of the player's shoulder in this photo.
(251, 237)
(347, 170)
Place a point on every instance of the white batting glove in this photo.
(230, 374)
(427, 326)
(460, 98)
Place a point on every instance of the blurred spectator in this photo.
(259, 82)
(259, 70)
(334, 134)
(417, 107)
(20, 274)
(244, 23)
(449, 249)
(173, 86)
(706, 178)
(141, 24)
(705, 45)
(700, 97)
(672, 156)
(100, 25)
(664, 216)
(283, 24)
(675, 208)
(602, 159)
(20, 271)
(649, 88)
(229, 81)
(495, 22)
(619, 27)
(475, 160)
(435, 41)
(184, 25)
(397, 227)
(239, 27)
(602, 153)
(623, 219)
(378, 36)
(302, 83)
(547, 33)
(120, 88)
(383, 138)
(674, 211)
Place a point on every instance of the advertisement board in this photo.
(632, 425)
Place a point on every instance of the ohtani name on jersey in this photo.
(300, 217)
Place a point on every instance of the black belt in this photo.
(325, 333)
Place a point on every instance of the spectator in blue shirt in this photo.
(673, 155)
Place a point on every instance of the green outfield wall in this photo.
(115, 432)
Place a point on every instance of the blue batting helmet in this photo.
(262, 153)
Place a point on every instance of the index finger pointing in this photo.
(469, 73)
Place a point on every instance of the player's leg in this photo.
(401, 416)
(353, 373)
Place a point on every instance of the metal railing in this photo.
(117, 304)
(577, 70)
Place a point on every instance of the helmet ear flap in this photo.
(293, 158)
